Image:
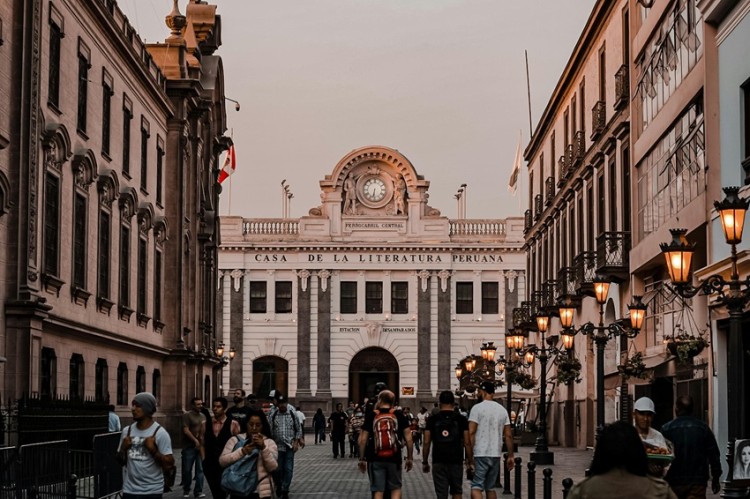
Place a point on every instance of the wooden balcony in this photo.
(538, 206)
(585, 268)
(612, 250)
(549, 190)
(622, 87)
(598, 119)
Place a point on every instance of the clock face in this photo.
(374, 189)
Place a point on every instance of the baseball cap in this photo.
(487, 386)
(272, 394)
(644, 404)
(280, 398)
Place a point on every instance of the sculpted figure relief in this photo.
(399, 196)
(350, 195)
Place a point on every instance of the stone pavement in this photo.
(318, 475)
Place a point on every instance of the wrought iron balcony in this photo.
(566, 283)
(612, 250)
(598, 119)
(549, 191)
(579, 148)
(562, 167)
(538, 206)
(527, 221)
(622, 87)
(585, 266)
(569, 158)
(548, 295)
(520, 316)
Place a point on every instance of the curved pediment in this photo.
(375, 156)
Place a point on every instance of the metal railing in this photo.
(598, 119)
(622, 87)
(549, 191)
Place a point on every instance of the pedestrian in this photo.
(379, 445)
(355, 427)
(643, 415)
(450, 433)
(145, 451)
(695, 450)
(193, 426)
(435, 409)
(415, 435)
(113, 420)
(215, 437)
(619, 469)
(239, 410)
(256, 436)
(319, 426)
(422, 417)
(252, 403)
(489, 423)
(286, 432)
(741, 461)
(338, 420)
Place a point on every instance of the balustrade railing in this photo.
(477, 227)
(270, 227)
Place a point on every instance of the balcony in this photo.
(538, 206)
(549, 190)
(622, 87)
(562, 167)
(566, 284)
(527, 221)
(569, 159)
(579, 148)
(598, 119)
(549, 290)
(585, 268)
(612, 249)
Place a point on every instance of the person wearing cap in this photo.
(146, 450)
(489, 423)
(643, 415)
(695, 451)
(286, 431)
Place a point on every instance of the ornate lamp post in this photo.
(732, 293)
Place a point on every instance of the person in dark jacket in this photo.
(219, 430)
(319, 426)
(695, 450)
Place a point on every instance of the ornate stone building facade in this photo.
(98, 124)
(373, 285)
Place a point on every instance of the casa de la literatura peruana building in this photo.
(373, 285)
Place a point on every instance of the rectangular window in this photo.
(75, 387)
(144, 153)
(602, 75)
(79, 241)
(490, 297)
(140, 379)
(258, 297)
(53, 85)
(464, 297)
(48, 373)
(613, 195)
(159, 170)
(105, 228)
(101, 381)
(573, 114)
(374, 297)
(348, 297)
(124, 297)
(51, 225)
(127, 116)
(566, 129)
(582, 106)
(157, 285)
(283, 297)
(626, 190)
(601, 208)
(106, 117)
(590, 214)
(83, 91)
(552, 156)
(142, 272)
(122, 384)
(399, 297)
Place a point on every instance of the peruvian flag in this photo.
(230, 162)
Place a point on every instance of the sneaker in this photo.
(201, 495)
(186, 494)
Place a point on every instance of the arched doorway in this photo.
(270, 373)
(368, 367)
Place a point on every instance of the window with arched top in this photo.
(77, 376)
(270, 373)
(122, 384)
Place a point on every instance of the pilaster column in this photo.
(424, 327)
(387, 294)
(444, 364)
(303, 333)
(324, 334)
(238, 297)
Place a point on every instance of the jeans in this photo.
(320, 435)
(337, 441)
(282, 477)
(190, 457)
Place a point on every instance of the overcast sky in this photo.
(442, 81)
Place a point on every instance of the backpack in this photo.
(241, 477)
(385, 433)
(446, 430)
(170, 472)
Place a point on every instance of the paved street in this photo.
(317, 474)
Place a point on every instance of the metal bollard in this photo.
(567, 484)
(532, 479)
(72, 488)
(518, 462)
(547, 483)
(506, 476)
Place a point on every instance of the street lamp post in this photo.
(735, 295)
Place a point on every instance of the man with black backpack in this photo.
(449, 431)
(380, 446)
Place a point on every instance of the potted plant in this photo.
(524, 380)
(568, 370)
(685, 346)
(633, 367)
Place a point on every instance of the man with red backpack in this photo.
(380, 445)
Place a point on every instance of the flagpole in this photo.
(520, 175)
(528, 90)
(231, 136)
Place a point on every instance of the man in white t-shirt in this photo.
(489, 423)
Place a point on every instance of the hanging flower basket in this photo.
(568, 370)
(524, 380)
(685, 346)
(634, 367)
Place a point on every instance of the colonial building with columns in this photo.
(372, 285)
